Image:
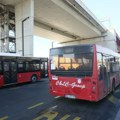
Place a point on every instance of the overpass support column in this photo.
(24, 16)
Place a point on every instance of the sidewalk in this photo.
(118, 113)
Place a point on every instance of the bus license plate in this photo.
(70, 96)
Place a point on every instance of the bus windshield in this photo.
(71, 63)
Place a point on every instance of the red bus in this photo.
(88, 72)
(16, 69)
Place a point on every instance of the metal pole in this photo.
(22, 38)
(23, 35)
(52, 44)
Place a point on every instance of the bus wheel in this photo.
(34, 78)
(113, 86)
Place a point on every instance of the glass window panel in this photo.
(0, 67)
(6, 66)
(20, 67)
(64, 66)
(76, 63)
(54, 62)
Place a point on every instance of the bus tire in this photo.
(34, 79)
(113, 86)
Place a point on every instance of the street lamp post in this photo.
(23, 34)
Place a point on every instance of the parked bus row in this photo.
(16, 69)
(88, 72)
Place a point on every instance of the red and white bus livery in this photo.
(88, 72)
(16, 69)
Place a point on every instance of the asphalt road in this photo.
(33, 102)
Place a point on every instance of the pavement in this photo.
(118, 113)
(33, 102)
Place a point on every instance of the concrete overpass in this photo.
(64, 21)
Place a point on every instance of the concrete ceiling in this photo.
(63, 20)
(10, 2)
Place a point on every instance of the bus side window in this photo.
(20, 67)
(27, 66)
(6, 66)
(115, 67)
(0, 67)
(42, 66)
(99, 64)
(105, 66)
(35, 66)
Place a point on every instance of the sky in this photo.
(106, 11)
(41, 47)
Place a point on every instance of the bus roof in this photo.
(106, 51)
(10, 54)
(99, 48)
(72, 46)
(22, 57)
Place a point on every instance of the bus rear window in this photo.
(72, 60)
(72, 63)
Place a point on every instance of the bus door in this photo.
(10, 72)
(44, 68)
